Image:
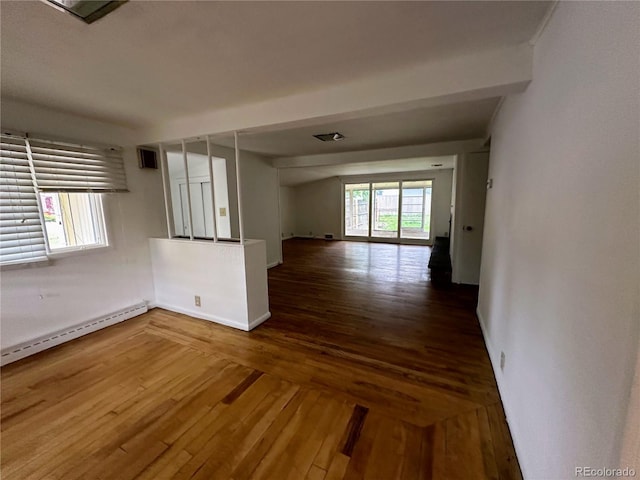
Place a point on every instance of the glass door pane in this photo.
(386, 197)
(416, 209)
(356, 209)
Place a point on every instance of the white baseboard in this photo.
(261, 319)
(25, 349)
(289, 237)
(273, 264)
(497, 373)
(215, 318)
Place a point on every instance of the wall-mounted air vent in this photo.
(147, 157)
(330, 137)
(86, 10)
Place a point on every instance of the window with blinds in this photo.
(21, 233)
(62, 167)
(69, 179)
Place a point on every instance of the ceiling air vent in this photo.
(330, 137)
(86, 10)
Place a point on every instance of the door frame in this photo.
(411, 177)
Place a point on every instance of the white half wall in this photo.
(38, 301)
(229, 278)
(560, 277)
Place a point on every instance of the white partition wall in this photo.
(200, 270)
(228, 280)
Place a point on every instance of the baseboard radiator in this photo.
(17, 352)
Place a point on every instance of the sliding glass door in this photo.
(386, 209)
(356, 209)
(393, 210)
(416, 209)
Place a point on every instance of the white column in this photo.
(213, 191)
(186, 173)
(166, 190)
(239, 187)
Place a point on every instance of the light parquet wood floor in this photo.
(364, 371)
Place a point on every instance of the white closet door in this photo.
(183, 224)
(208, 209)
(197, 210)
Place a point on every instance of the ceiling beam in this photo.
(472, 77)
(379, 154)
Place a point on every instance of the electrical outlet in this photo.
(502, 361)
(490, 184)
(197, 300)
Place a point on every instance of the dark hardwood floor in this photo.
(364, 371)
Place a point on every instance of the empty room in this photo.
(319, 240)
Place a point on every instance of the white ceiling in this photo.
(150, 62)
(409, 127)
(290, 177)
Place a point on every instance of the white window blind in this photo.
(21, 234)
(74, 168)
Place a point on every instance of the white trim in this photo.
(496, 110)
(25, 349)
(279, 216)
(497, 373)
(166, 190)
(288, 238)
(239, 188)
(213, 192)
(74, 251)
(20, 264)
(274, 264)
(382, 178)
(188, 182)
(261, 319)
(215, 318)
(543, 25)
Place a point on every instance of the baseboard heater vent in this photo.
(328, 236)
(17, 352)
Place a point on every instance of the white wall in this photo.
(470, 192)
(559, 288)
(287, 212)
(229, 278)
(317, 208)
(260, 203)
(38, 301)
(318, 205)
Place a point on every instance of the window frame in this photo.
(79, 249)
(100, 215)
(413, 177)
